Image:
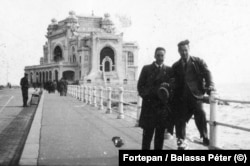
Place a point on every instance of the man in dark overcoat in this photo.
(154, 112)
(25, 86)
(61, 86)
(192, 80)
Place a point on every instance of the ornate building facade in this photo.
(86, 50)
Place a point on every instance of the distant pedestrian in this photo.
(63, 86)
(25, 86)
(54, 84)
(192, 80)
(155, 112)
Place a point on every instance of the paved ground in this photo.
(73, 133)
(77, 134)
(65, 131)
(15, 122)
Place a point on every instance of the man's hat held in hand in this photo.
(163, 93)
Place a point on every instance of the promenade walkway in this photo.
(73, 133)
(15, 122)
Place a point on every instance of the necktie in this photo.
(159, 69)
(185, 66)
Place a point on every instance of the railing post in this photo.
(68, 87)
(94, 96)
(70, 90)
(109, 101)
(81, 92)
(213, 127)
(78, 92)
(90, 102)
(85, 100)
(139, 102)
(75, 90)
(121, 112)
(101, 98)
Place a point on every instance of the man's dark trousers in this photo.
(148, 135)
(191, 106)
(25, 96)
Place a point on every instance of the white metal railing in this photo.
(100, 96)
(213, 119)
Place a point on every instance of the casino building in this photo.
(85, 50)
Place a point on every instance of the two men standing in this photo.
(192, 80)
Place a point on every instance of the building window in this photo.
(107, 59)
(125, 81)
(86, 58)
(58, 55)
(73, 57)
(130, 58)
(80, 58)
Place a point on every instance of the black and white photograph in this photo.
(83, 81)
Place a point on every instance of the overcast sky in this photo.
(219, 31)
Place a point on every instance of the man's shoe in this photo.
(182, 144)
(205, 141)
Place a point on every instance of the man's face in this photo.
(184, 52)
(160, 56)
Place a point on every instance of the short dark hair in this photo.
(160, 48)
(182, 43)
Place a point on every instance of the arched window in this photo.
(107, 54)
(56, 75)
(50, 75)
(107, 66)
(130, 58)
(73, 54)
(58, 54)
(31, 78)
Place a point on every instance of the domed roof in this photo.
(72, 17)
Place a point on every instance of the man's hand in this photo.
(209, 90)
(164, 84)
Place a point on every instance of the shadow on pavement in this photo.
(13, 137)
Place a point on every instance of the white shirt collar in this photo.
(158, 65)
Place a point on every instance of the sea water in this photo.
(234, 114)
